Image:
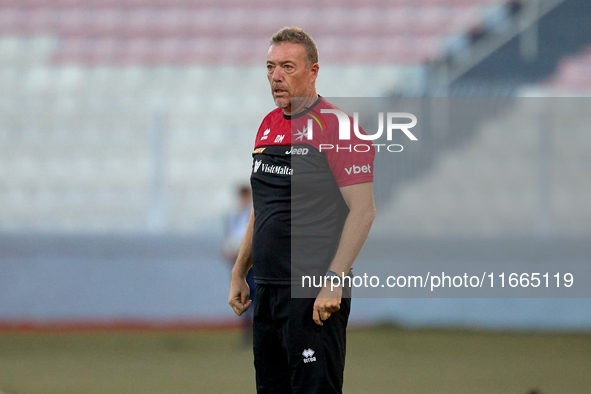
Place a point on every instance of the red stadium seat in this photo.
(225, 23)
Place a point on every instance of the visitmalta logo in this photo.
(257, 164)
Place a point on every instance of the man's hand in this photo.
(327, 303)
(239, 293)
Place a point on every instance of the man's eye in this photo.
(269, 67)
(287, 67)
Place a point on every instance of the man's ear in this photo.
(314, 71)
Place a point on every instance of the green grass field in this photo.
(379, 360)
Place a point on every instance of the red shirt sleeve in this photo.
(351, 161)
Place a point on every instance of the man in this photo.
(311, 214)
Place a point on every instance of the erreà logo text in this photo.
(308, 355)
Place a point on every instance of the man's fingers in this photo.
(244, 298)
(236, 307)
(332, 307)
(237, 310)
(316, 317)
(239, 293)
(324, 308)
(240, 307)
(320, 314)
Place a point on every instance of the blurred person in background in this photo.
(234, 229)
(319, 217)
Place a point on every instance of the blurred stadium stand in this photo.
(114, 114)
(516, 174)
(126, 124)
(573, 77)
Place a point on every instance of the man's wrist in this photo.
(238, 273)
(330, 282)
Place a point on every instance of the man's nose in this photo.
(277, 74)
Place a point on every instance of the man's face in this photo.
(289, 74)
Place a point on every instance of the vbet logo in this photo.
(366, 169)
(345, 131)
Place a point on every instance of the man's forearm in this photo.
(355, 231)
(362, 211)
(244, 259)
(359, 199)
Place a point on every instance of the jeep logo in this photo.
(297, 151)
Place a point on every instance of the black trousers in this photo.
(292, 354)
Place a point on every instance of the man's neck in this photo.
(301, 104)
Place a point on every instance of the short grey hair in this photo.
(295, 35)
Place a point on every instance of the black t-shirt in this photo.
(298, 206)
